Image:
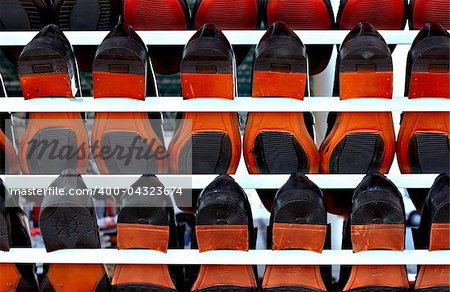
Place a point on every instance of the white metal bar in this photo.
(254, 257)
(271, 181)
(236, 37)
(241, 104)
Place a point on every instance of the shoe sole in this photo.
(424, 138)
(275, 143)
(121, 72)
(71, 226)
(63, 130)
(21, 15)
(361, 142)
(222, 224)
(352, 12)
(85, 15)
(207, 142)
(435, 278)
(429, 11)
(8, 156)
(316, 15)
(288, 234)
(389, 234)
(143, 277)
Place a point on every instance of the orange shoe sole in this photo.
(142, 276)
(9, 155)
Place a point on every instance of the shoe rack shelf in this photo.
(226, 257)
(246, 181)
(239, 104)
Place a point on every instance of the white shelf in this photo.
(253, 257)
(236, 37)
(324, 181)
(239, 104)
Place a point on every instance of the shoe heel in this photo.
(9, 277)
(366, 84)
(387, 234)
(223, 226)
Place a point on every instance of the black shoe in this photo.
(14, 233)
(146, 222)
(298, 221)
(305, 14)
(122, 69)
(224, 222)
(24, 15)
(52, 142)
(377, 222)
(206, 143)
(434, 234)
(364, 69)
(70, 222)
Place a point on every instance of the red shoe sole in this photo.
(65, 277)
(382, 14)
(9, 277)
(226, 14)
(429, 11)
(7, 149)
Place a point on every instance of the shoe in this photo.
(122, 69)
(146, 223)
(209, 142)
(8, 156)
(298, 221)
(424, 138)
(361, 142)
(163, 15)
(429, 11)
(24, 15)
(382, 14)
(305, 14)
(274, 142)
(229, 15)
(14, 232)
(224, 222)
(376, 222)
(434, 234)
(52, 142)
(70, 222)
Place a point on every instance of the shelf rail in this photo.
(226, 257)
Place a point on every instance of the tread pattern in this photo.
(211, 152)
(429, 153)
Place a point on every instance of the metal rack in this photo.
(262, 257)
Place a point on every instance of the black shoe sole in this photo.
(21, 15)
(85, 15)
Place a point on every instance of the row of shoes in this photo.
(211, 142)
(223, 221)
(227, 14)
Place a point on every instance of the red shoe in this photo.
(279, 142)
(159, 15)
(424, 138)
(122, 69)
(429, 11)
(52, 142)
(382, 14)
(305, 14)
(209, 142)
(361, 142)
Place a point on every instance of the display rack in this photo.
(261, 257)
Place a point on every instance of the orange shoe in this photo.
(361, 142)
(423, 144)
(279, 142)
(52, 142)
(209, 142)
(122, 69)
